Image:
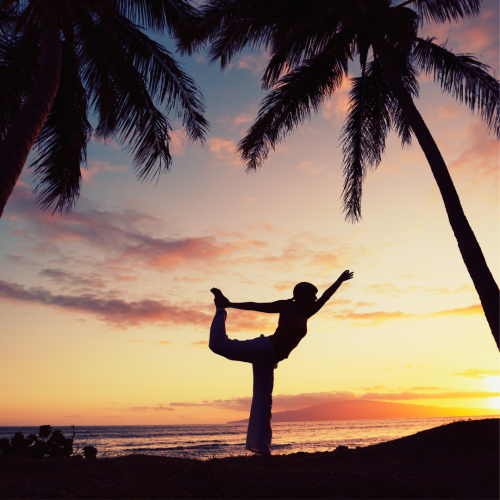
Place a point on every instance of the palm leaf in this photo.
(91, 37)
(409, 80)
(364, 133)
(137, 122)
(159, 15)
(19, 63)
(303, 39)
(166, 81)
(440, 11)
(231, 25)
(462, 76)
(62, 143)
(298, 94)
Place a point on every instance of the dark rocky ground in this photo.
(458, 460)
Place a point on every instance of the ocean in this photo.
(216, 441)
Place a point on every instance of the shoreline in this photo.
(456, 460)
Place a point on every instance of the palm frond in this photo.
(9, 12)
(231, 25)
(62, 143)
(409, 79)
(297, 42)
(92, 39)
(401, 28)
(364, 133)
(138, 123)
(159, 15)
(166, 80)
(19, 63)
(440, 11)
(462, 76)
(298, 94)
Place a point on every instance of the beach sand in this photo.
(458, 460)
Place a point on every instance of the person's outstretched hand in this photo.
(346, 275)
(219, 299)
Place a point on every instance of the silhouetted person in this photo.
(266, 352)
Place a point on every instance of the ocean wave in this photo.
(212, 446)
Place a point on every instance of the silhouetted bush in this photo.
(89, 452)
(49, 443)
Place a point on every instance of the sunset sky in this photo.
(105, 312)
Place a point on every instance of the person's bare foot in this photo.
(219, 299)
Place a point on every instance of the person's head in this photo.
(305, 293)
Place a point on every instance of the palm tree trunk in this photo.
(30, 120)
(469, 247)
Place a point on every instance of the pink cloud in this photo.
(112, 310)
(477, 35)
(311, 167)
(123, 234)
(255, 63)
(157, 408)
(98, 166)
(224, 150)
(178, 142)
(338, 105)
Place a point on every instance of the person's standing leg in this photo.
(259, 433)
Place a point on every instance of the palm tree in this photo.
(311, 43)
(60, 60)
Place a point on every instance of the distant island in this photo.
(360, 410)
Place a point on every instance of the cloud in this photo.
(477, 164)
(338, 105)
(407, 396)
(90, 280)
(164, 342)
(480, 373)
(199, 343)
(459, 311)
(96, 167)
(423, 388)
(280, 401)
(159, 407)
(379, 317)
(311, 167)
(178, 141)
(478, 35)
(255, 63)
(122, 234)
(298, 401)
(224, 150)
(391, 289)
(236, 122)
(125, 313)
(116, 311)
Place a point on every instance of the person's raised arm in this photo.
(346, 275)
(265, 307)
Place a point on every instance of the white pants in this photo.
(259, 352)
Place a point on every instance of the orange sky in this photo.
(105, 313)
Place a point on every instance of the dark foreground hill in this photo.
(458, 460)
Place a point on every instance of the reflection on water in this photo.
(207, 441)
